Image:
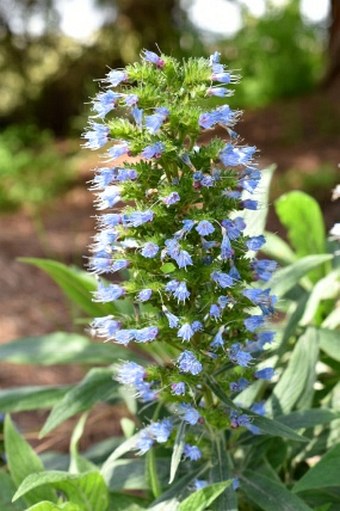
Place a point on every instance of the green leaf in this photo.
(177, 451)
(222, 470)
(130, 474)
(323, 474)
(169, 500)
(50, 506)
(23, 461)
(21, 399)
(121, 502)
(168, 268)
(152, 473)
(285, 279)
(325, 289)
(293, 318)
(303, 219)
(256, 220)
(95, 387)
(308, 418)
(298, 377)
(60, 348)
(278, 249)
(7, 490)
(274, 428)
(330, 342)
(77, 285)
(268, 494)
(87, 490)
(199, 500)
(122, 449)
(79, 464)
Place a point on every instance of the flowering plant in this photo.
(192, 271)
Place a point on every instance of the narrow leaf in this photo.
(60, 348)
(299, 375)
(86, 490)
(323, 474)
(222, 470)
(50, 506)
(152, 473)
(330, 342)
(23, 461)
(95, 387)
(201, 499)
(79, 464)
(308, 418)
(288, 277)
(274, 428)
(21, 399)
(177, 451)
(269, 494)
(278, 249)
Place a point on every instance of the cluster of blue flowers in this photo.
(171, 216)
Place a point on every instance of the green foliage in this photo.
(32, 170)
(263, 49)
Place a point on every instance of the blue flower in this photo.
(154, 122)
(108, 198)
(185, 332)
(237, 419)
(150, 250)
(256, 242)
(97, 136)
(172, 319)
(192, 452)
(204, 228)
(223, 301)
(104, 177)
(232, 156)
(265, 338)
(222, 115)
(262, 298)
(124, 336)
(196, 326)
(144, 295)
(146, 334)
(171, 199)
(207, 181)
(234, 227)
(181, 293)
(153, 151)
(110, 220)
(220, 92)
(115, 77)
(218, 341)
(222, 279)
(153, 58)
(227, 250)
(178, 389)
(221, 77)
(100, 262)
(235, 483)
(108, 293)
(214, 58)
(105, 327)
(137, 114)
(131, 99)
(259, 408)
(239, 385)
(250, 204)
(145, 393)
(183, 259)
(253, 322)
(105, 102)
(188, 414)
(188, 363)
(119, 264)
(137, 218)
(238, 356)
(161, 430)
(171, 286)
(118, 150)
(215, 311)
(144, 442)
(124, 175)
(265, 374)
(234, 273)
(130, 373)
(264, 269)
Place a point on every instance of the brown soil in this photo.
(302, 134)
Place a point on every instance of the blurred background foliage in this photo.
(47, 76)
